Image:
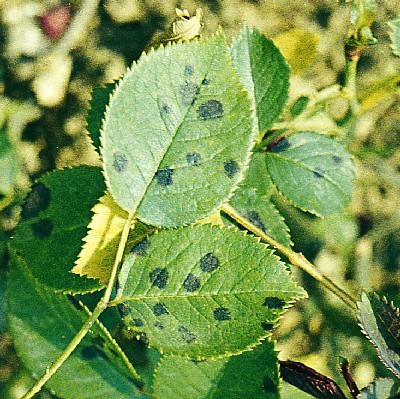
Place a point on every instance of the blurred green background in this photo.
(47, 72)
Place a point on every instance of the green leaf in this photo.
(204, 291)
(249, 375)
(312, 171)
(178, 133)
(98, 104)
(42, 323)
(55, 218)
(253, 201)
(380, 322)
(263, 72)
(381, 388)
(394, 34)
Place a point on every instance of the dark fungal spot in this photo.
(318, 172)
(120, 161)
(273, 302)
(159, 277)
(124, 310)
(136, 323)
(189, 70)
(42, 229)
(191, 283)
(189, 92)
(255, 219)
(159, 325)
(280, 144)
(141, 247)
(222, 314)
(164, 176)
(186, 334)
(211, 109)
(267, 326)
(38, 200)
(231, 168)
(337, 159)
(269, 386)
(209, 262)
(166, 109)
(89, 352)
(160, 309)
(193, 159)
(205, 82)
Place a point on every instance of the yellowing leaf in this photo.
(298, 47)
(98, 252)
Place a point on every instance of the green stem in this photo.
(100, 307)
(297, 259)
(350, 86)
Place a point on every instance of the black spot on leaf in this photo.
(231, 168)
(186, 334)
(159, 277)
(120, 162)
(209, 262)
(278, 145)
(255, 219)
(166, 109)
(124, 310)
(269, 386)
(189, 70)
(159, 325)
(221, 314)
(267, 326)
(273, 302)
(205, 82)
(42, 229)
(137, 323)
(211, 109)
(337, 159)
(191, 283)
(193, 159)
(89, 352)
(164, 176)
(160, 309)
(38, 200)
(141, 247)
(189, 92)
(318, 172)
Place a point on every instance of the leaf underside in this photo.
(177, 134)
(380, 322)
(42, 323)
(381, 388)
(251, 374)
(204, 291)
(314, 172)
(54, 221)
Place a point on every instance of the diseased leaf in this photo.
(98, 104)
(251, 374)
(312, 171)
(177, 134)
(42, 323)
(299, 48)
(55, 218)
(380, 322)
(394, 34)
(381, 388)
(253, 201)
(263, 72)
(310, 381)
(204, 291)
(97, 256)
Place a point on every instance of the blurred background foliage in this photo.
(54, 52)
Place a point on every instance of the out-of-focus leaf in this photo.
(251, 374)
(382, 388)
(380, 322)
(298, 47)
(394, 34)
